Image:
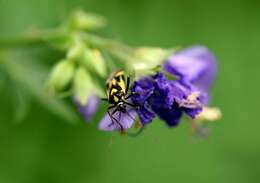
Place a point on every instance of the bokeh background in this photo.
(45, 148)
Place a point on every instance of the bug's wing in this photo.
(116, 82)
(120, 80)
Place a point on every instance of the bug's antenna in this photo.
(117, 122)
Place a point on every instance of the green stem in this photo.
(32, 39)
(116, 48)
(22, 41)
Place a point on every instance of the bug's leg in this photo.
(130, 95)
(113, 118)
(122, 130)
(120, 125)
(110, 115)
(132, 105)
(130, 115)
(119, 118)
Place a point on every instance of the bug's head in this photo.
(121, 106)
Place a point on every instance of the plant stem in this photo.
(22, 41)
(31, 39)
(112, 47)
(116, 48)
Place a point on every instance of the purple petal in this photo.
(126, 121)
(170, 116)
(142, 90)
(88, 110)
(192, 112)
(163, 91)
(196, 65)
(146, 114)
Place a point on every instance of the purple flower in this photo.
(196, 65)
(89, 109)
(156, 95)
(195, 69)
(120, 122)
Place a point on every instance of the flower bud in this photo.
(60, 76)
(145, 59)
(94, 61)
(83, 85)
(86, 21)
(76, 51)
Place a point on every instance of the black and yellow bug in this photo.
(117, 89)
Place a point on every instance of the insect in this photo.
(117, 89)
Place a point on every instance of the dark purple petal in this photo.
(192, 112)
(166, 98)
(163, 94)
(88, 110)
(170, 116)
(142, 90)
(146, 115)
(196, 65)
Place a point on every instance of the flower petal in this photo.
(89, 109)
(193, 112)
(170, 116)
(146, 115)
(195, 64)
(126, 120)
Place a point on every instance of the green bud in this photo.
(83, 85)
(94, 61)
(76, 51)
(144, 60)
(86, 21)
(60, 76)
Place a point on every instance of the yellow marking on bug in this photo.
(116, 99)
(116, 83)
(113, 91)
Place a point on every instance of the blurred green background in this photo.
(44, 148)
